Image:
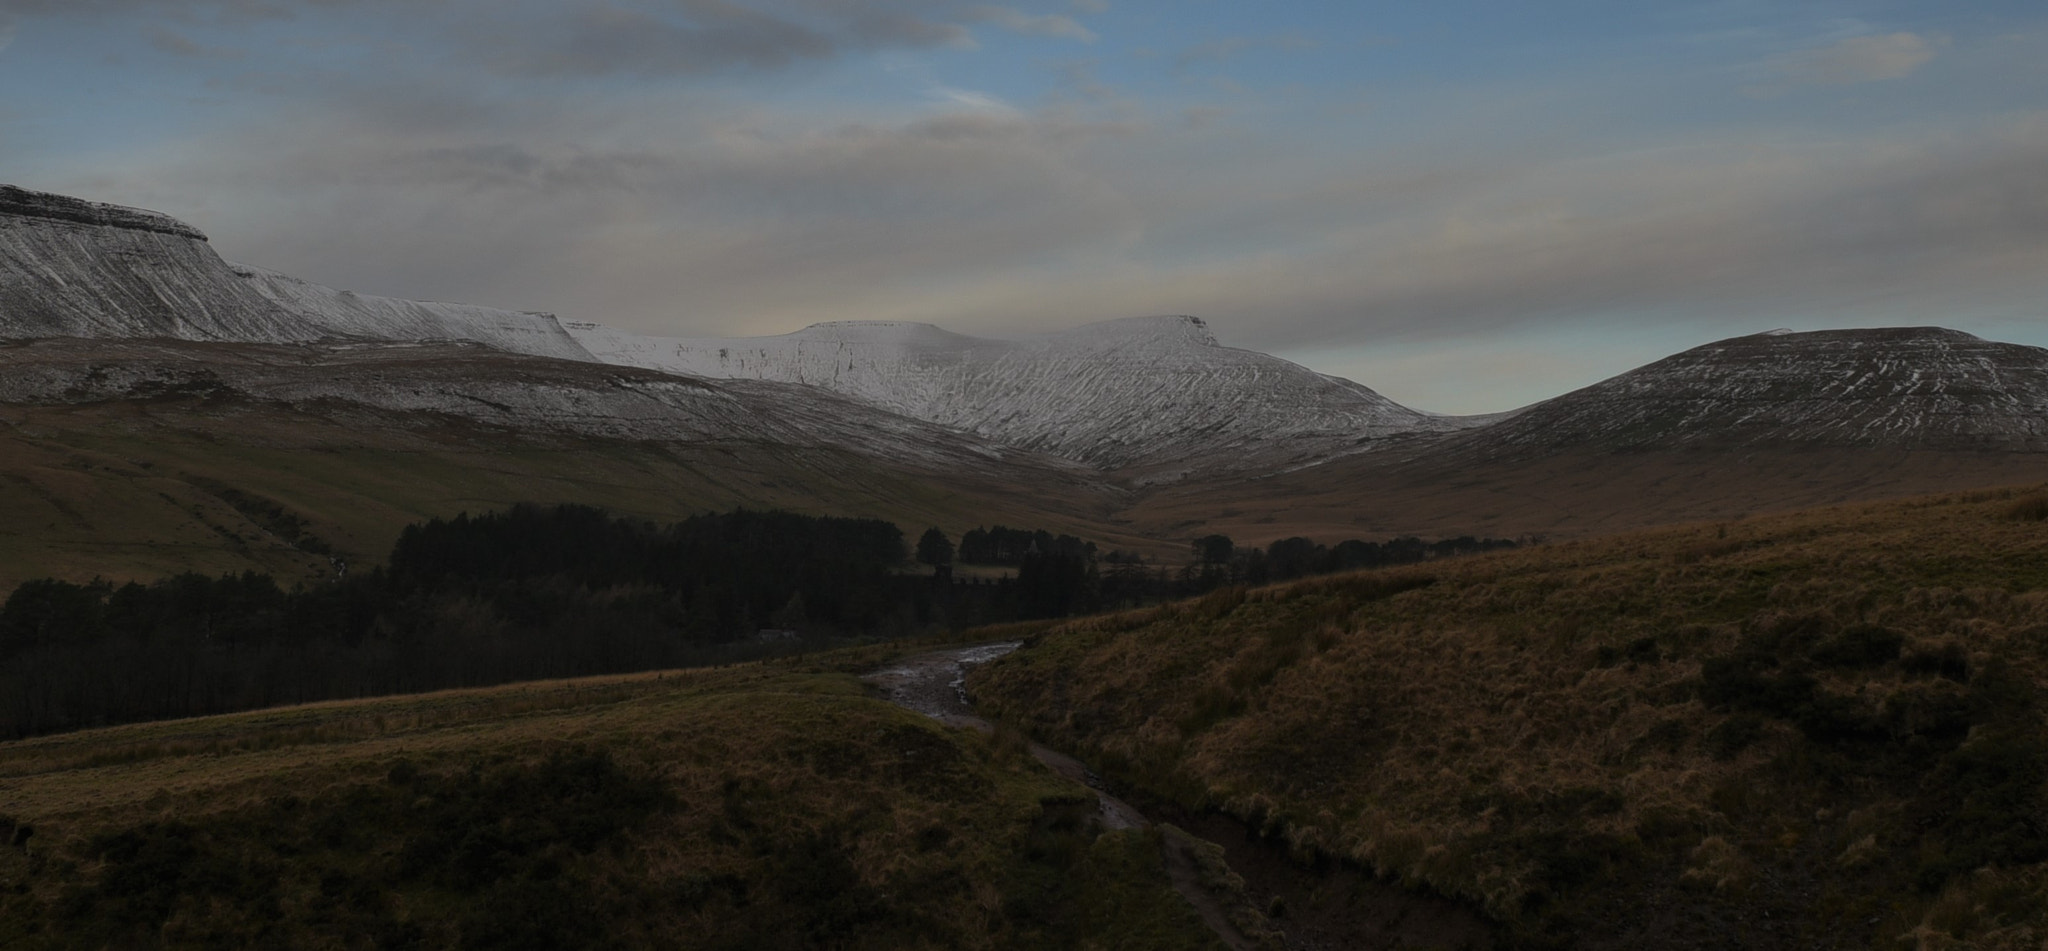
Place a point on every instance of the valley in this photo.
(1765, 668)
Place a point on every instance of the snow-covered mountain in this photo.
(1900, 387)
(1156, 392)
(73, 268)
(433, 383)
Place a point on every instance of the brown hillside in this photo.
(1819, 729)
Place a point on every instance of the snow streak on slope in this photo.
(72, 268)
(1904, 387)
(422, 384)
(349, 314)
(1156, 391)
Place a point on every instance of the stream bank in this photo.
(1246, 887)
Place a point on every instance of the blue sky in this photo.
(1467, 205)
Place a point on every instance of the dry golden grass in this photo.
(1550, 734)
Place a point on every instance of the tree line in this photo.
(544, 592)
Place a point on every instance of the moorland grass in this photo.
(1818, 729)
(758, 806)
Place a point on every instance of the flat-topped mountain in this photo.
(73, 268)
(1149, 423)
(1157, 392)
(1901, 387)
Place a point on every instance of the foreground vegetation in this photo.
(1823, 729)
(751, 807)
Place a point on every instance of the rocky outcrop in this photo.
(22, 203)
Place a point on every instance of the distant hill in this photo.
(1155, 394)
(1141, 433)
(1909, 388)
(1767, 422)
(74, 268)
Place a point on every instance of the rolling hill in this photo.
(1812, 730)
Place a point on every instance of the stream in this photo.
(1324, 907)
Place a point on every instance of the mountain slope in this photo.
(73, 268)
(1155, 392)
(1898, 387)
(348, 314)
(133, 458)
(1767, 422)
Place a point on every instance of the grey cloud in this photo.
(716, 227)
(165, 40)
(600, 38)
(582, 38)
(233, 11)
(1714, 236)
(1217, 51)
(1852, 60)
(1863, 59)
(1043, 24)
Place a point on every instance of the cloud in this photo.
(551, 39)
(1078, 77)
(1047, 24)
(165, 40)
(1853, 60)
(232, 11)
(716, 220)
(599, 38)
(1228, 48)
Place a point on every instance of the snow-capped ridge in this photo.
(1125, 331)
(1143, 391)
(1890, 387)
(22, 202)
(76, 268)
(347, 314)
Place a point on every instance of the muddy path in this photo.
(1246, 887)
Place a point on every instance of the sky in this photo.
(1469, 205)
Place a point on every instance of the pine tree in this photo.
(934, 548)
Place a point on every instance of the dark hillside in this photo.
(750, 808)
(1822, 729)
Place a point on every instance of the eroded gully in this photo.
(1324, 908)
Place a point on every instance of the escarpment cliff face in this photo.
(73, 268)
(22, 203)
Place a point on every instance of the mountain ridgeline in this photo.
(1144, 432)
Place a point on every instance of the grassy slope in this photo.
(1798, 730)
(1573, 494)
(135, 491)
(752, 807)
